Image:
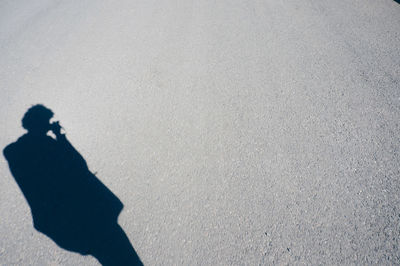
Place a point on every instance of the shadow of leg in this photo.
(112, 247)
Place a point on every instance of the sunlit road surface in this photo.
(234, 132)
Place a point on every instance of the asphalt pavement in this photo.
(234, 132)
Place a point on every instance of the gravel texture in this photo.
(234, 132)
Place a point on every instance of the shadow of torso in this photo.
(68, 203)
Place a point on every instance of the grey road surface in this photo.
(234, 132)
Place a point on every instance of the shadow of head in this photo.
(37, 119)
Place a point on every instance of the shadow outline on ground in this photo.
(69, 204)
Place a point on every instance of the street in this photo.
(233, 132)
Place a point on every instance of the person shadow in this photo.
(68, 203)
